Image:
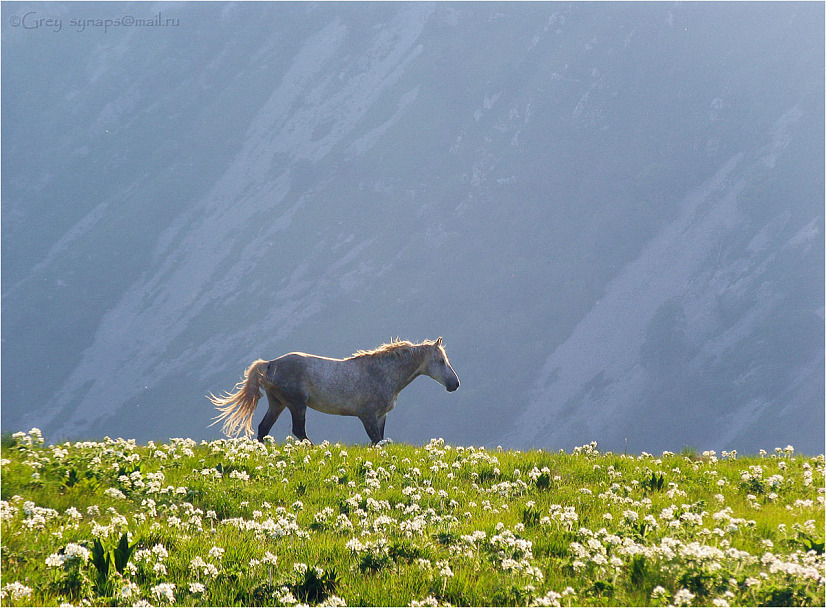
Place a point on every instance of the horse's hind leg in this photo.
(275, 409)
(299, 414)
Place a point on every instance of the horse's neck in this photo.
(403, 370)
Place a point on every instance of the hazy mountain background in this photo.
(612, 212)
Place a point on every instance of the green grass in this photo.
(235, 522)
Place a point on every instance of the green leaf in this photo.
(101, 559)
(123, 552)
(810, 543)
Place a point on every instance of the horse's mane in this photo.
(394, 348)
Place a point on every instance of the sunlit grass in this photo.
(235, 522)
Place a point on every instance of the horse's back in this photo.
(332, 386)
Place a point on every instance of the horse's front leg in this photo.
(373, 426)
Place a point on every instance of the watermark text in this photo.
(33, 20)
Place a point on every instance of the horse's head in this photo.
(438, 367)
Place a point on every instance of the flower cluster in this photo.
(243, 522)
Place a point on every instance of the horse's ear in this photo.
(439, 341)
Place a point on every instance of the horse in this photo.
(365, 385)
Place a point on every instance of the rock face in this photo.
(613, 214)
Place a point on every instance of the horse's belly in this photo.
(338, 405)
(336, 398)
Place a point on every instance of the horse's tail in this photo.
(238, 408)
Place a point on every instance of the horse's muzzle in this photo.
(452, 386)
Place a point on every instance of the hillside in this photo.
(241, 523)
(612, 212)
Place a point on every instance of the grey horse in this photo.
(365, 385)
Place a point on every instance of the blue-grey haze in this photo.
(612, 212)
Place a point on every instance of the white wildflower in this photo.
(17, 591)
(55, 560)
(683, 597)
(164, 592)
(444, 569)
(129, 590)
(160, 551)
(549, 599)
(429, 602)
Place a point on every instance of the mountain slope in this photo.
(612, 213)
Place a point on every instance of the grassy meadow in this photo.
(236, 522)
